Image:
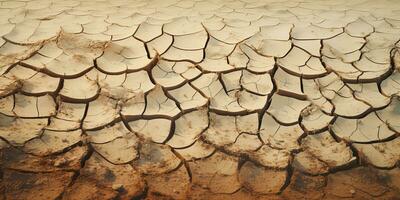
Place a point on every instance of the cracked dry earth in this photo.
(174, 99)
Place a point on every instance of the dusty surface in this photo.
(200, 99)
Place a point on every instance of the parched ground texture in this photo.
(229, 99)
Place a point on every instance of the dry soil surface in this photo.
(196, 99)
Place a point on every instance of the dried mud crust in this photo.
(199, 99)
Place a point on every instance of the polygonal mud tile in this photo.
(390, 115)
(294, 59)
(211, 86)
(231, 80)
(312, 89)
(191, 41)
(233, 35)
(301, 63)
(8, 86)
(257, 63)
(221, 130)
(176, 54)
(8, 26)
(70, 56)
(334, 18)
(126, 55)
(259, 179)
(244, 143)
(68, 117)
(30, 106)
(307, 163)
(17, 131)
(272, 48)
(182, 26)
(40, 84)
(126, 87)
(288, 84)
(346, 58)
(383, 154)
(314, 32)
(16, 159)
(259, 84)
(383, 26)
(324, 148)
(134, 106)
(164, 74)
(216, 65)
(50, 142)
(96, 27)
(212, 23)
(237, 59)
(340, 45)
(271, 157)
(118, 32)
(371, 71)
(187, 70)
(147, 31)
(247, 123)
(217, 49)
(156, 159)
(381, 40)
(217, 173)
(249, 101)
(264, 20)
(359, 28)
(279, 136)
(391, 85)
(197, 150)
(160, 45)
(380, 55)
(12, 53)
(101, 112)
(107, 134)
(125, 18)
(310, 46)
(101, 180)
(188, 128)
(367, 129)
(346, 71)
(158, 104)
(276, 32)
(88, 90)
(33, 31)
(314, 119)
(286, 109)
(188, 97)
(332, 81)
(369, 93)
(120, 150)
(145, 129)
(342, 97)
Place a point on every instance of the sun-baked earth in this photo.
(169, 99)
